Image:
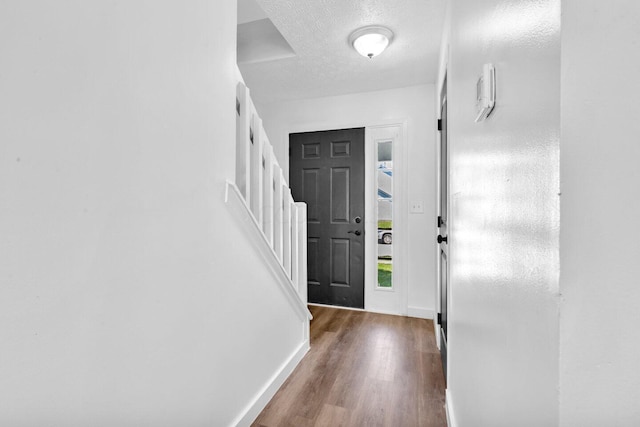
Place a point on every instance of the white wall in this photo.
(504, 214)
(599, 240)
(121, 297)
(413, 106)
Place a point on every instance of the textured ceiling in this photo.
(325, 64)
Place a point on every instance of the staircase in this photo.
(274, 223)
(262, 191)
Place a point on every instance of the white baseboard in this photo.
(378, 311)
(269, 390)
(419, 312)
(451, 419)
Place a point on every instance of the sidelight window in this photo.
(384, 178)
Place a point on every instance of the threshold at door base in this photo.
(336, 306)
(368, 311)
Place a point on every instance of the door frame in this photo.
(380, 300)
(375, 300)
(442, 86)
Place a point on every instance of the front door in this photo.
(326, 170)
(443, 248)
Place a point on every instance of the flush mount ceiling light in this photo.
(371, 41)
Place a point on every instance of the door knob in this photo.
(442, 239)
(356, 232)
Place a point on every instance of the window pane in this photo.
(384, 177)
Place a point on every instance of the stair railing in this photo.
(261, 184)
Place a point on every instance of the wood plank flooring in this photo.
(363, 369)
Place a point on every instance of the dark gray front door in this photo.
(326, 170)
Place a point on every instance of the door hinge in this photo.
(439, 124)
(439, 319)
(439, 221)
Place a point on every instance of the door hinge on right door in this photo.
(439, 124)
(439, 319)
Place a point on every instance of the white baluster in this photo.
(256, 165)
(294, 245)
(301, 209)
(243, 143)
(267, 183)
(287, 201)
(277, 212)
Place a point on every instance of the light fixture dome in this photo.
(371, 41)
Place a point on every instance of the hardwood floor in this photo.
(363, 369)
